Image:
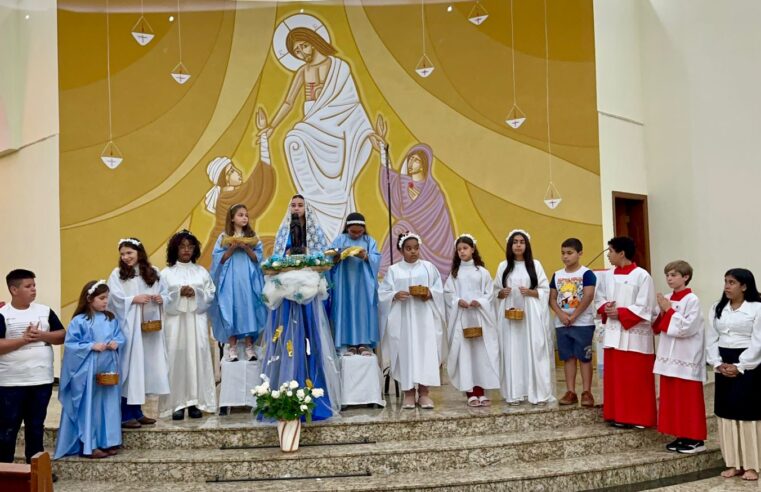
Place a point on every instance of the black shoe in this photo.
(691, 447)
(194, 412)
(224, 411)
(179, 414)
(674, 445)
(54, 477)
(620, 425)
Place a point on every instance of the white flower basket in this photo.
(289, 433)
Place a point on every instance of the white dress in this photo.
(413, 330)
(526, 346)
(186, 328)
(472, 361)
(143, 358)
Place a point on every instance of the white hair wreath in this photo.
(528, 236)
(129, 240)
(91, 290)
(409, 235)
(469, 236)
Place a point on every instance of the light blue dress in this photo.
(91, 413)
(238, 309)
(354, 300)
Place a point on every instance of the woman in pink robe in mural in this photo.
(417, 204)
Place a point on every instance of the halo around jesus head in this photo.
(281, 33)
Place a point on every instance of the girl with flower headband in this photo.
(412, 317)
(523, 320)
(136, 297)
(473, 363)
(188, 293)
(90, 416)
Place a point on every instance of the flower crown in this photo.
(467, 236)
(521, 231)
(97, 284)
(409, 235)
(129, 240)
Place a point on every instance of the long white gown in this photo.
(143, 358)
(413, 330)
(526, 346)
(471, 361)
(186, 328)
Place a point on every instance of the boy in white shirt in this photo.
(27, 331)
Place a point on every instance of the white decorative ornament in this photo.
(281, 34)
(478, 14)
(552, 196)
(91, 290)
(409, 235)
(521, 231)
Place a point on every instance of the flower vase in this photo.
(289, 434)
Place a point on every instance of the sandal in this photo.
(351, 351)
(425, 402)
(409, 400)
(732, 472)
(365, 351)
(750, 476)
(485, 401)
(474, 402)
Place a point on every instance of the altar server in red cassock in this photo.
(626, 300)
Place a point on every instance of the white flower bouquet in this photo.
(288, 402)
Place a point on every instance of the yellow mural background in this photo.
(493, 177)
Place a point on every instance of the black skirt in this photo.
(737, 398)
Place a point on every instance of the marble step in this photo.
(389, 457)
(389, 424)
(713, 484)
(589, 471)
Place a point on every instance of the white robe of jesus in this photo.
(186, 328)
(329, 147)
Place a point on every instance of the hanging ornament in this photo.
(478, 14)
(142, 30)
(111, 156)
(515, 117)
(552, 196)
(424, 67)
(180, 73)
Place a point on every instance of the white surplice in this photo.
(186, 328)
(143, 358)
(681, 349)
(413, 330)
(526, 346)
(471, 361)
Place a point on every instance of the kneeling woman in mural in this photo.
(298, 343)
(188, 293)
(238, 311)
(523, 320)
(412, 318)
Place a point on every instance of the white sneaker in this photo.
(250, 353)
(232, 353)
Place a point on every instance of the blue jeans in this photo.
(130, 412)
(30, 405)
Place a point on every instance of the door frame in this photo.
(646, 217)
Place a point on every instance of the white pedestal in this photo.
(361, 381)
(238, 379)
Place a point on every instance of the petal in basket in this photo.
(289, 434)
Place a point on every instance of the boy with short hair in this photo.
(27, 331)
(572, 291)
(626, 302)
(681, 362)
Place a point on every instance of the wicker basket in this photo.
(419, 291)
(514, 314)
(107, 378)
(230, 240)
(150, 326)
(473, 332)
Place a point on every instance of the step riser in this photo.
(239, 468)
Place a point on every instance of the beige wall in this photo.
(685, 74)
(29, 211)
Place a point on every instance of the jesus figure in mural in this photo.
(331, 144)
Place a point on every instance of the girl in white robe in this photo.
(526, 345)
(473, 363)
(136, 297)
(188, 292)
(413, 327)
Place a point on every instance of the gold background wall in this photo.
(493, 177)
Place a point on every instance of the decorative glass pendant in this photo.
(142, 31)
(478, 14)
(180, 73)
(111, 155)
(515, 117)
(424, 67)
(552, 197)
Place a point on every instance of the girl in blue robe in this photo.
(238, 311)
(91, 413)
(354, 300)
(298, 342)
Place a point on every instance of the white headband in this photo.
(95, 286)
(467, 236)
(355, 222)
(528, 236)
(409, 235)
(129, 240)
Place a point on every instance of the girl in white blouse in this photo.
(733, 348)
